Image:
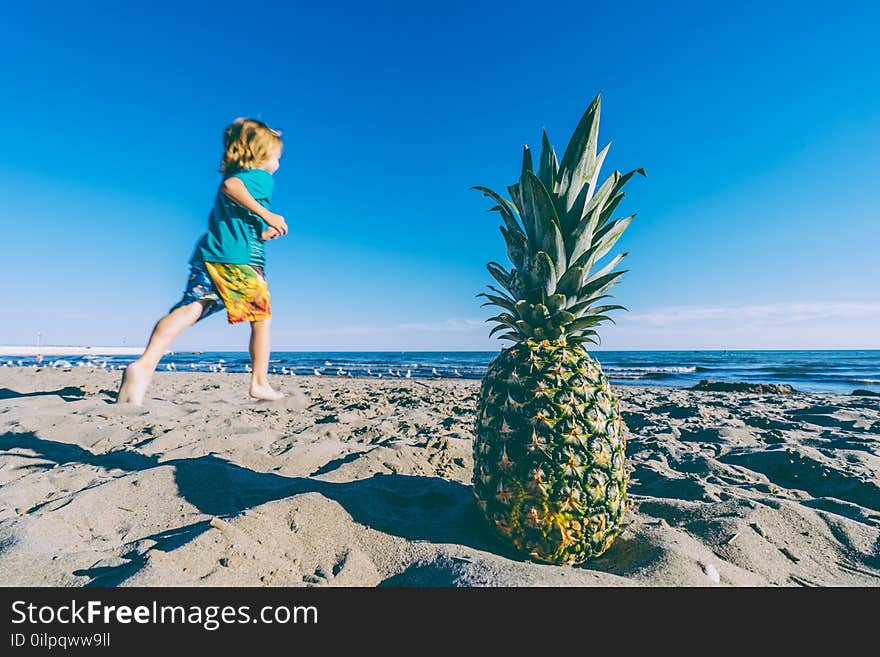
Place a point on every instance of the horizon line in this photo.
(46, 350)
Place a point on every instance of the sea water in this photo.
(809, 371)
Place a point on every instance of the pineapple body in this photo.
(549, 452)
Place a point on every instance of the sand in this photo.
(355, 482)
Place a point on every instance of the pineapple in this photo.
(549, 448)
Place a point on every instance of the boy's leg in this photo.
(259, 350)
(136, 377)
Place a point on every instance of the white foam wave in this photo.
(641, 371)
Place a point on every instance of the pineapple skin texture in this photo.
(549, 452)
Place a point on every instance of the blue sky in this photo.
(758, 124)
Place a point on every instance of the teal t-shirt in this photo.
(233, 235)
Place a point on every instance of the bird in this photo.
(456, 372)
(409, 374)
(315, 370)
(434, 371)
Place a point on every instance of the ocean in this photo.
(809, 371)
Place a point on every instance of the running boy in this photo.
(227, 266)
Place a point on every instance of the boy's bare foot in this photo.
(133, 389)
(265, 392)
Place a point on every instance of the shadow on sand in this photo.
(68, 393)
(416, 508)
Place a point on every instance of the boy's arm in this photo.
(235, 189)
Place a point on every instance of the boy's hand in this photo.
(270, 234)
(276, 221)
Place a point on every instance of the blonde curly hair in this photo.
(247, 143)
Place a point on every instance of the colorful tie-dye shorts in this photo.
(241, 289)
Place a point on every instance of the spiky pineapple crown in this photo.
(556, 228)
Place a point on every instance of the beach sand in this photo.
(355, 482)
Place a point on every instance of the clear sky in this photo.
(758, 123)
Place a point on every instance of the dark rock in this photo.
(742, 386)
(865, 393)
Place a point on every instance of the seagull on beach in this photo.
(316, 372)
(434, 372)
(456, 372)
(409, 374)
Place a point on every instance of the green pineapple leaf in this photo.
(602, 283)
(556, 302)
(504, 207)
(621, 181)
(583, 306)
(517, 246)
(501, 275)
(570, 283)
(548, 166)
(541, 275)
(539, 208)
(497, 301)
(572, 215)
(584, 233)
(607, 268)
(527, 164)
(580, 152)
(563, 318)
(502, 293)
